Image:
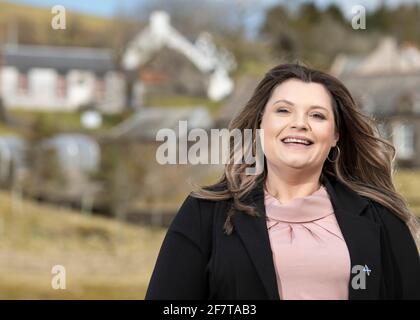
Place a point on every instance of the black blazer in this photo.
(198, 261)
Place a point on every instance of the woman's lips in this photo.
(297, 145)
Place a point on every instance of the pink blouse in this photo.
(309, 252)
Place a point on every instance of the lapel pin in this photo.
(367, 270)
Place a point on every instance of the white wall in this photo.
(42, 90)
(8, 84)
(403, 139)
(42, 85)
(115, 91)
(80, 88)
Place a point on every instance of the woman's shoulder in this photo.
(391, 223)
(209, 195)
(197, 217)
(198, 207)
(383, 213)
(220, 186)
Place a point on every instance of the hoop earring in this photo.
(338, 155)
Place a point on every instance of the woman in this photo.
(322, 221)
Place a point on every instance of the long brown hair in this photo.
(365, 163)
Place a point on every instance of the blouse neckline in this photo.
(302, 209)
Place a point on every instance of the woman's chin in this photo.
(296, 163)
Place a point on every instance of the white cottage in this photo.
(386, 84)
(60, 78)
(187, 64)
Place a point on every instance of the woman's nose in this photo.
(299, 122)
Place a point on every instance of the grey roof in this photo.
(383, 91)
(13, 148)
(62, 59)
(146, 122)
(387, 58)
(352, 62)
(75, 150)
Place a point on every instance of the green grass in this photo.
(185, 101)
(42, 14)
(35, 25)
(254, 68)
(6, 130)
(48, 123)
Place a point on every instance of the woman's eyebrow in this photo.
(292, 104)
(284, 100)
(319, 107)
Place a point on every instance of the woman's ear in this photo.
(336, 138)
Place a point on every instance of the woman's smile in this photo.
(296, 145)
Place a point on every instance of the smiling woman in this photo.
(322, 221)
(299, 132)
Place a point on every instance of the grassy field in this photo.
(104, 259)
(182, 101)
(56, 121)
(407, 183)
(33, 25)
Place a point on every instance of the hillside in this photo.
(32, 25)
(104, 259)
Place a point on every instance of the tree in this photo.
(335, 13)
(316, 36)
(277, 27)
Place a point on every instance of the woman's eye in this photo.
(318, 115)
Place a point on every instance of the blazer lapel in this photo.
(254, 234)
(362, 237)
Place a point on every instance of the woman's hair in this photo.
(365, 163)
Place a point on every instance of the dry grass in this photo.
(37, 19)
(407, 183)
(104, 259)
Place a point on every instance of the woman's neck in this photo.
(286, 187)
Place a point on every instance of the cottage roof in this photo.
(63, 59)
(379, 94)
(145, 123)
(386, 58)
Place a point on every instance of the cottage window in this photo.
(100, 89)
(23, 85)
(383, 130)
(61, 87)
(403, 140)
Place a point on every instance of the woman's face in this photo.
(302, 110)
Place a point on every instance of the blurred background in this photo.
(84, 93)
